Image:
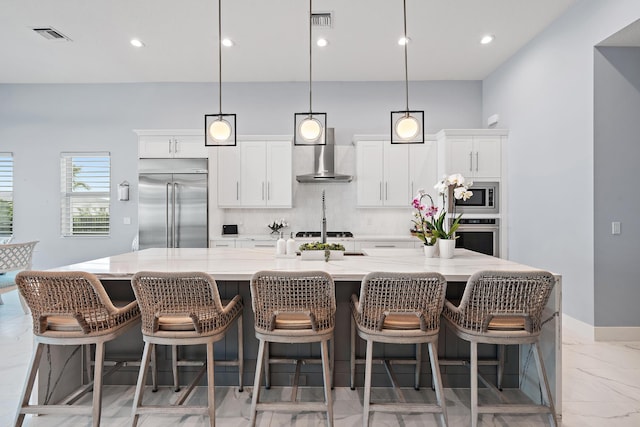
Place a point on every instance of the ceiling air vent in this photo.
(50, 33)
(322, 20)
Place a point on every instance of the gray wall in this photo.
(37, 122)
(544, 95)
(616, 157)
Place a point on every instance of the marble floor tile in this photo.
(601, 387)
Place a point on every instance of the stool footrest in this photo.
(405, 407)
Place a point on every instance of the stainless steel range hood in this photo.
(324, 162)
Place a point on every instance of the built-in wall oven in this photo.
(479, 235)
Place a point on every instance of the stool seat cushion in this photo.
(292, 321)
(507, 323)
(175, 323)
(401, 321)
(63, 324)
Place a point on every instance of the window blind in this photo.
(6, 194)
(85, 183)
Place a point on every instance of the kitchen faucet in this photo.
(324, 220)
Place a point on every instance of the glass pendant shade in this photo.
(407, 127)
(220, 130)
(310, 128)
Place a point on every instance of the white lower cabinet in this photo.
(222, 243)
(271, 243)
(384, 244)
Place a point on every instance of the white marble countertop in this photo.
(242, 263)
(357, 238)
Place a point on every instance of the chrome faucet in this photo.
(324, 219)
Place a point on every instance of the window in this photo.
(85, 194)
(6, 194)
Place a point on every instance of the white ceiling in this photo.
(271, 39)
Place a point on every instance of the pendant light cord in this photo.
(310, 92)
(220, 58)
(406, 67)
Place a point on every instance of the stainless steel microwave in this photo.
(485, 199)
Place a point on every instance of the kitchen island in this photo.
(233, 268)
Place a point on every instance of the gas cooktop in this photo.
(333, 234)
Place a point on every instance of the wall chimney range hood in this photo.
(324, 162)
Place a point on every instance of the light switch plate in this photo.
(615, 227)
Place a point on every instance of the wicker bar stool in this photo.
(183, 309)
(292, 308)
(399, 308)
(503, 308)
(71, 308)
(14, 257)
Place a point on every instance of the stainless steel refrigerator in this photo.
(172, 204)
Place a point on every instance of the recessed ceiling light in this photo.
(404, 40)
(227, 42)
(136, 43)
(322, 42)
(487, 39)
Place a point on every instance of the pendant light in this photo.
(407, 126)
(219, 129)
(309, 128)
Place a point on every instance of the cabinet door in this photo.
(423, 164)
(253, 185)
(460, 156)
(191, 146)
(155, 146)
(370, 173)
(396, 175)
(228, 176)
(279, 174)
(487, 157)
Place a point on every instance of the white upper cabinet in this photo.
(423, 167)
(228, 177)
(166, 144)
(256, 173)
(475, 153)
(382, 174)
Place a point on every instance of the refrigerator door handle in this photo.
(173, 214)
(166, 210)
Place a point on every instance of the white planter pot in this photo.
(446, 247)
(429, 251)
(319, 255)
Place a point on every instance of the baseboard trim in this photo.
(616, 333)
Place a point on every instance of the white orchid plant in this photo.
(428, 226)
(452, 187)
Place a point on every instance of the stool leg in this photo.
(332, 360)
(418, 363)
(474, 384)
(211, 390)
(240, 355)
(97, 384)
(437, 380)
(142, 379)
(367, 383)
(546, 391)
(267, 366)
(154, 369)
(501, 348)
(174, 367)
(352, 360)
(326, 370)
(87, 361)
(28, 384)
(256, 383)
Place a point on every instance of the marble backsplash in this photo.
(306, 214)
